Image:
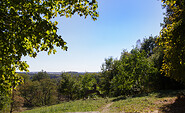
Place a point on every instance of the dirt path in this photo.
(106, 108)
(85, 112)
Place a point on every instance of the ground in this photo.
(156, 102)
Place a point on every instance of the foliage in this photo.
(159, 81)
(26, 77)
(89, 85)
(40, 75)
(133, 73)
(26, 29)
(39, 93)
(109, 70)
(172, 39)
(76, 87)
(17, 101)
(136, 71)
(4, 103)
(49, 92)
(148, 45)
(130, 74)
(41, 90)
(29, 91)
(68, 86)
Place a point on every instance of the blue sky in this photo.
(120, 24)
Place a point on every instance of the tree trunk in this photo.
(12, 103)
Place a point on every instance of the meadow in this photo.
(162, 101)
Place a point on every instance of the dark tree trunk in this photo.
(12, 103)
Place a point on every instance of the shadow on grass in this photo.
(177, 107)
(168, 93)
(160, 94)
(118, 99)
(131, 96)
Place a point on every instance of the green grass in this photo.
(139, 103)
(72, 106)
(147, 103)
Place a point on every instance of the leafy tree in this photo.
(40, 75)
(88, 84)
(78, 86)
(109, 70)
(148, 45)
(48, 92)
(39, 93)
(4, 103)
(159, 81)
(133, 73)
(25, 77)
(26, 29)
(30, 92)
(155, 55)
(17, 101)
(172, 39)
(68, 86)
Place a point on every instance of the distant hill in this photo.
(59, 73)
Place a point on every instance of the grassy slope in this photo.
(147, 103)
(140, 103)
(72, 106)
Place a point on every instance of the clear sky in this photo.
(120, 24)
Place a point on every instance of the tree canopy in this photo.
(26, 29)
(172, 39)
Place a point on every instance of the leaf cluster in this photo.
(127, 75)
(172, 39)
(26, 29)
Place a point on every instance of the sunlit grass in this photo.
(72, 106)
(149, 103)
(138, 103)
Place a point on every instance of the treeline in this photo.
(135, 72)
(42, 89)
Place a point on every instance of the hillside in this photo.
(162, 101)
